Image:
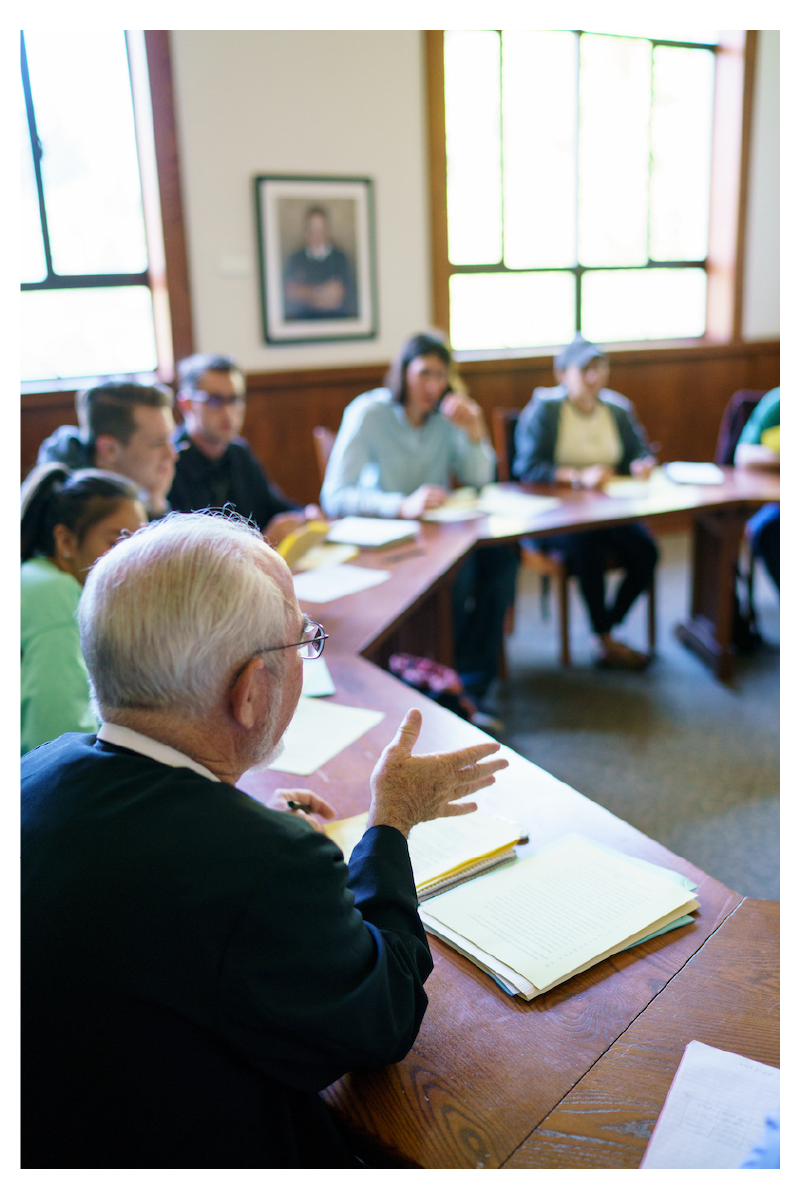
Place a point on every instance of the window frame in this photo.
(167, 274)
(724, 264)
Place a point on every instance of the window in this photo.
(87, 305)
(578, 179)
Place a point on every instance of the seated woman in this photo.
(580, 434)
(398, 449)
(760, 446)
(69, 519)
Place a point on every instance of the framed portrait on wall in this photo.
(316, 249)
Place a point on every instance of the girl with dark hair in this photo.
(396, 453)
(68, 520)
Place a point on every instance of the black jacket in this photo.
(236, 479)
(196, 967)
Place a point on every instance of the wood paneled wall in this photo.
(679, 394)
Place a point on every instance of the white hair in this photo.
(168, 615)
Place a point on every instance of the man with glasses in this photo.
(216, 466)
(197, 966)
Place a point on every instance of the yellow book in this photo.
(298, 543)
(446, 851)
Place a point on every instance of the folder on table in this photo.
(536, 922)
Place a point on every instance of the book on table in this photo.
(534, 921)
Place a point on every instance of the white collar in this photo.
(121, 735)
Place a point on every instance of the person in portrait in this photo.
(319, 282)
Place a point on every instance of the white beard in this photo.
(269, 756)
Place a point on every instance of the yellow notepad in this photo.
(444, 851)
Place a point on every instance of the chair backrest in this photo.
(504, 426)
(734, 419)
(323, 444)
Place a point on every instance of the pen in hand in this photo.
(297, 806)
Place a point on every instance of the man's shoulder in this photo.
(66, 445)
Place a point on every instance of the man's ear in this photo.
(247, 693)
(184, 402)
(106, 451)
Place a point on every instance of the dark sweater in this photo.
(196, 967)
(236, 479)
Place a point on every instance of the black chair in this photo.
(550, 564)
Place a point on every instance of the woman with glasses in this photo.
(69, 519)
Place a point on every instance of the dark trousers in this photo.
(764, 531)
(482, 592)
(587, 555)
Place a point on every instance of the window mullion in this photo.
(578, 270)
(36, 149)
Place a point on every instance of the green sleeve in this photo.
(54, 686)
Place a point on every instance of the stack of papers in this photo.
(446, 851)
(536, 922)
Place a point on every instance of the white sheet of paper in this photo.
(693, 472)
(331, 583)
(501, 502)
(318, 731)
(714, 1111)
(317, 679)
(371, 531)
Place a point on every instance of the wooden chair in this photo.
(323, 444)
(550, 565)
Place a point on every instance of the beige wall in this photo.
(761, 312)
(258, 102)
(342, 102)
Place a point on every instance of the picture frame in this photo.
(316, 255)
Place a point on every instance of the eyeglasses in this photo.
(310, 647)
(213, 400)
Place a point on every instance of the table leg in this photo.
(708, 630)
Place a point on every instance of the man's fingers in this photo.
(454, 809)
(473, 785)
(471, 754)
(479, 769)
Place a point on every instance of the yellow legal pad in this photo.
(445, 851)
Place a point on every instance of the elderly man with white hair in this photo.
(198, 966)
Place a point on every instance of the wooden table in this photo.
(412, 611)
(726, 996)
(718, 513)
(491, 1078)
(487, 1068)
